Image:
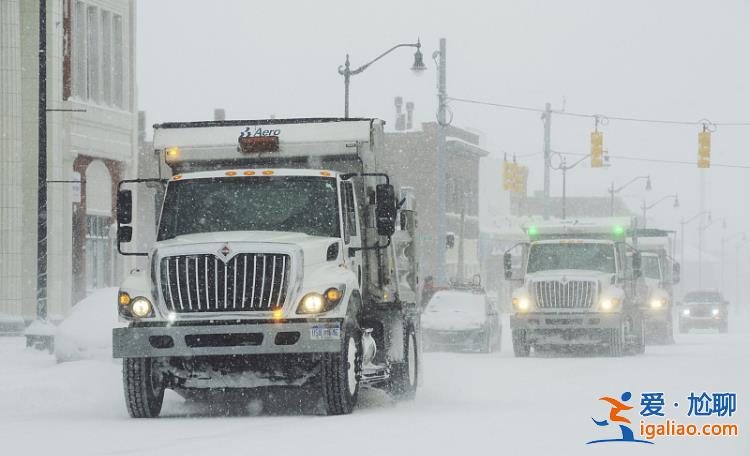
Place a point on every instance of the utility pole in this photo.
(547, 116)
(702, 209)
(41, 262)
(440, 159)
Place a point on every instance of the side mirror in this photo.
(636, 265)
(124, 234)
(508, 265)
(385, 209)
(676, 273)
(124, 207)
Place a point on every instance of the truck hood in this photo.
(313, 247)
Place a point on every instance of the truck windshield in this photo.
(585, 256)
(650, 267)
(276, 203)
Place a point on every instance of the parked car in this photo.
(704, 309)
(461, 319)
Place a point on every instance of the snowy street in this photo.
(469, 404)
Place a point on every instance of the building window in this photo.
(106, 57)
(117, 62)
(98, 252)
(98, 55)
(92, 54)
(79, 51)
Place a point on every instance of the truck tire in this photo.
(615, 342)
(144, 388)
(405, 375)
(521, 348)
(341, 373)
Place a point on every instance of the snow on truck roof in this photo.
(192, 146)
(226, 135)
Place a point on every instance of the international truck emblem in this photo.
(225, 250)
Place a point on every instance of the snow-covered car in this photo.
(703, 309)
(458, 319)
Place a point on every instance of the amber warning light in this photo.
(258, 144)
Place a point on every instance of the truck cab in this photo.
(579, 284)
(283, 257)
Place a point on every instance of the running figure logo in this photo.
(616, 419)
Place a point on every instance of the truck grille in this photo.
(205, 283)
(553, 294)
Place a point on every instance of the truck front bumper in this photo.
(187, 340)
(566, 328)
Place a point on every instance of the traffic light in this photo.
(509, 175)
(704, 149)
(597, 149)
(519, 183)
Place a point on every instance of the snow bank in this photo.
(11, 324)
(87, 332)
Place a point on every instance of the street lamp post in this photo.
(347, 72)
(564, 168)
(684, 222)
(613, 191)
(440, 164)
(645, 208)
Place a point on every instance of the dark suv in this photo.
(703, 309)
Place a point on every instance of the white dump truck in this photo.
(283, 257)
(578, 283)
(660, 272)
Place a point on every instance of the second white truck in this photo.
(579, 284)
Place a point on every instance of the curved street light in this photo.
(417, 67)
(613, 191)
(645, 208)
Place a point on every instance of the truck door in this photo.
(351, 226)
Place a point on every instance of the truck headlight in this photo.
(715, 312)
(316, 303)
(141, 307)
(686, 312)
(658, 303)
(521, 304)
(609, 304)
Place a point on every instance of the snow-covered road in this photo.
(469, 404)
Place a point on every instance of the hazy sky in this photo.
(682, 60)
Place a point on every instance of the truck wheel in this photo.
(521, 348)
(615, 342)
(404, 376)
(144, 387)
(340, 375)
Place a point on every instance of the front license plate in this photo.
(325, 332)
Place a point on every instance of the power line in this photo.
(660, 160)
(602, 116)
